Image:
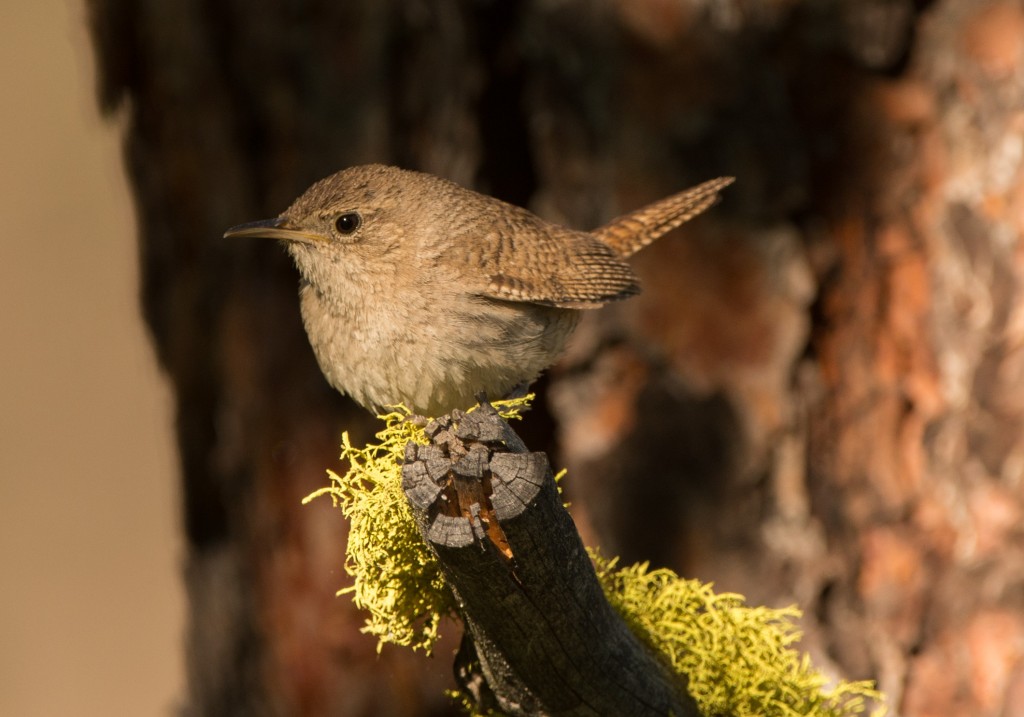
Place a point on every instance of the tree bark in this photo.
(537, 623)
(822, 386)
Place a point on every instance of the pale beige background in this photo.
(91, 606)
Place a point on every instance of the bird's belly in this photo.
(442, 364)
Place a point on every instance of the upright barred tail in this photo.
(630, 233)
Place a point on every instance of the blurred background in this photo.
(91, 601)
(817, 400)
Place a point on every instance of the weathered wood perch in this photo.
(541, 639)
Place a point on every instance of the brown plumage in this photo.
(418, 291)
(628, 234)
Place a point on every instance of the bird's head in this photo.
(360, 226)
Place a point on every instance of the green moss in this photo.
(738, 660)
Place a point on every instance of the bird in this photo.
(418, 292)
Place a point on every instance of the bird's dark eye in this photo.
(348, 222)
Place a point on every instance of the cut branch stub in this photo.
(541, 637)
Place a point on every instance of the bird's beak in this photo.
(279, 228)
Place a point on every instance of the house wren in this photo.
(418, 291)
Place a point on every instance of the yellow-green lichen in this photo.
(395, 576)
(737, 660)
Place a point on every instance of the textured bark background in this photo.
(818, 399)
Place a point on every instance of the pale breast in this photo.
(465, 347)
